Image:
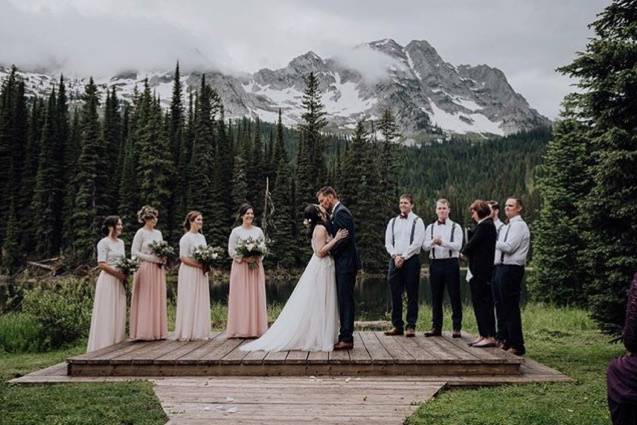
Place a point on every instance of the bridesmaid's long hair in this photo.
(110, 221)
(312, 216)
(190, 217)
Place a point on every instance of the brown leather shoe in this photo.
(410, 333)
(433, 332)
(342, 345)
(394, 332)
(456, 334)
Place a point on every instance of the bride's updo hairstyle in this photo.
(312, 216)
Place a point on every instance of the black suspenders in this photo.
(413, 231)
(433, 249)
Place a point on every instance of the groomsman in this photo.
(403, 240)
(443, 240)
(512, 248)
(495, 215)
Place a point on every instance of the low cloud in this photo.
(370, 63)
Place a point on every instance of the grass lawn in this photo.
(72, 404)
(565, 339)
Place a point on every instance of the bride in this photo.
(309, 319)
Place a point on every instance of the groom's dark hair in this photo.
(327, 190)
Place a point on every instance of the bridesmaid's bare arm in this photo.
(103, 265)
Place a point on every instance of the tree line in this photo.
(70, 164)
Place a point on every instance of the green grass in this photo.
(19, 333)
(563, 338)
(72, 404)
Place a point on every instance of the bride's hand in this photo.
(341, 234)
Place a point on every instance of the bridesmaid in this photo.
(148, 318)
(247, 314)
(193, 293)
(108, 321)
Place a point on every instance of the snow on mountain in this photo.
(423, 91)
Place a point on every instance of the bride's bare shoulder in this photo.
(320, 229)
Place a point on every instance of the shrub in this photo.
(62, 311)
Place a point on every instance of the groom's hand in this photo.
(399, 261)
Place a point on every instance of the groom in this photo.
(346, 261)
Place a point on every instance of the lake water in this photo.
(371, 294)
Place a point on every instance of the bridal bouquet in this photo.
(208, 256)
(251, 248)
(162, 250)
(128, 266)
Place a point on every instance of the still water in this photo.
(371, 294)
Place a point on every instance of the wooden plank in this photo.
(101, 352)
(235, 356)
(375, 349)
(339, 356)
(462, 355)
(394, 348)
(275, 357)
(139, 355)
(417, 352)
(481, 353)
(186, 348)
(160, 349)
(254, 358)
(219, 351)
(496, 351)
(438, 353)
(359, 354)
(318, 357)
(296, 357)
(195, 355)
(126, 350)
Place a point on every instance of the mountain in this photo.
(425, 93)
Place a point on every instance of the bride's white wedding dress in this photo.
(309, 320)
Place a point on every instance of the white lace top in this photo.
(109, 251)
(140, 248)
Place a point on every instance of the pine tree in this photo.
(71, 156)
(310, 161)
(607, 72)
(256, 171)
(388, 163)
(558, 272)
(90, 201)
(203, 152)
(112, 136)
(184, 164)
(175, 122)
(283, 227)
(11, 257)
(13, 141)
(48, 196)
(155, 168)
(220, 212)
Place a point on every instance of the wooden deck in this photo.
(374, 354)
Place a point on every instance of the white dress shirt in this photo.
(447, 249)
(402, 236)
(513, 243)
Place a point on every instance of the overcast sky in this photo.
(527, 39)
